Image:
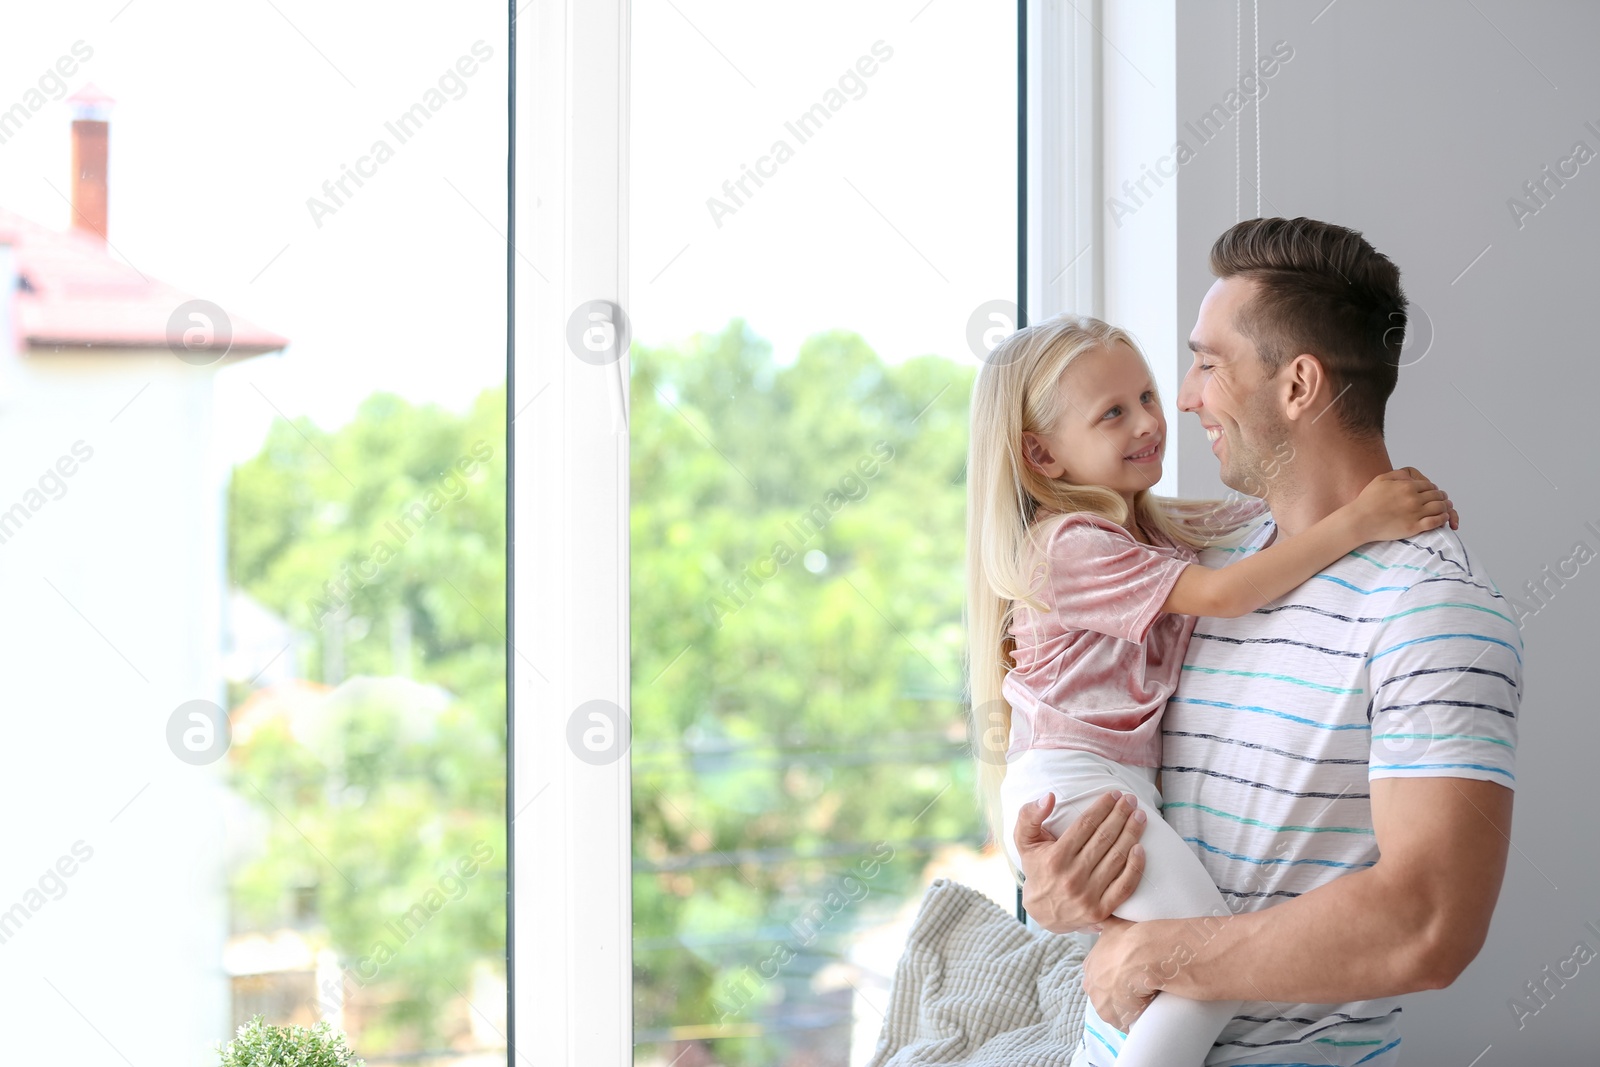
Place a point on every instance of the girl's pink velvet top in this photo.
(1094, 672)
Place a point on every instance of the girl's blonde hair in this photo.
(1017, 390)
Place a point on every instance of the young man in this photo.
(1342, 759)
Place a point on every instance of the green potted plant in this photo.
(261, 1045)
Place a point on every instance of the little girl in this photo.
(1067, 437)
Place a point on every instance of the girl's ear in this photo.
(1030, 447)
(1036, 453)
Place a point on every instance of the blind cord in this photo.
(1238, 45)
(1255, 71)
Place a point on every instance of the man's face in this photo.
(1225, 386)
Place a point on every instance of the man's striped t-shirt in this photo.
(1399, 660)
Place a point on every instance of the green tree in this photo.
(384, 542)
(796, 534)
(797, 538)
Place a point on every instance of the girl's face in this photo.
(1111, 431)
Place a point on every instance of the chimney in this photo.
(90, 132)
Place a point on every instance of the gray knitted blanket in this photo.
(976, 987)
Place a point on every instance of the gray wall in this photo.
(1414, 122)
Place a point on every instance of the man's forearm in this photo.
(1412, 921)
(1355, 938)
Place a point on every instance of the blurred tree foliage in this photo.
(384, 542)
(796, 540)
(797, 543)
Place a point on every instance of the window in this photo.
(811, 233)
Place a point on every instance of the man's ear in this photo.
(1304, 379)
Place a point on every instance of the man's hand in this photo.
(1076, 881)
(1116, 976)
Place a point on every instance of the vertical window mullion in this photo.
(571, 905)
(1063, 235)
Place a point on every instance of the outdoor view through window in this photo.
(252, 529)
(820, 210)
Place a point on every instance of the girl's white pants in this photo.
(1173, 1031)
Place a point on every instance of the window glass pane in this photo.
(252, 528)
(823, 201)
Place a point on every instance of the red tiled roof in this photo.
(74, 294)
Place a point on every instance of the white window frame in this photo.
(1062, 145)
(570, 908)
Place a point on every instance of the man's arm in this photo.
(1412, 921)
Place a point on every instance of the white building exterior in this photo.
(112, 572)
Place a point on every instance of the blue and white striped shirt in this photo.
(1399, 660)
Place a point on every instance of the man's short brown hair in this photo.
(1321, 289)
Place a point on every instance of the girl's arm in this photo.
(1392, 505)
